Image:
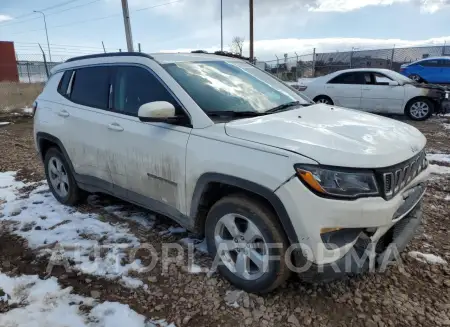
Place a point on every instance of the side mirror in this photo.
(157, 111)
(394, 83)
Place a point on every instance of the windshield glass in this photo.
(401, 78)
(231, 86)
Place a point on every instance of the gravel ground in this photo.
(416, 295)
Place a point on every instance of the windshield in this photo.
(231, 86)
(401, 78)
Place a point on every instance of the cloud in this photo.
(267, 49)
(5, 18)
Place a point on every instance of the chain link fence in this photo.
(24, 80)
(291, 68)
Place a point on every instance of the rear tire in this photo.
(419, 109)
(242, 228)
(323, 99)
(60, 178)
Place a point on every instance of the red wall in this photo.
(8, 64)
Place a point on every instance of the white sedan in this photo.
(376, 90)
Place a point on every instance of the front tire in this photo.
(238, 231)
(419, 109)
(323, 99)
(60, 178)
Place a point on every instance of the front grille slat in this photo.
(395, 178)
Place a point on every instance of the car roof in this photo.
(352, 70)
(126, 57)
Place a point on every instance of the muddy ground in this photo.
(417, 295)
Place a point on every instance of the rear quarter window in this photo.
(64, 82)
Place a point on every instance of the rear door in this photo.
(379, 96)
(86, 136)
(345, 89)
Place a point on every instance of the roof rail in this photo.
(111, 54)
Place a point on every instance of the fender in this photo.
(40, 136)
(262, 191)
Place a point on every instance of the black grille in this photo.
(394, 179)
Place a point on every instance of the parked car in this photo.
(430, 70)
(377, 90)
(231, 153)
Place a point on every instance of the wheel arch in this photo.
(211, 187)
(419, 97)
(45, 141)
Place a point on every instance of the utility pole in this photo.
(46, 33)
(221, 25)
(251, 31)
(126, 20)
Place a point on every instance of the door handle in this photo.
(115, 127)
(63, 113)
(366, 89)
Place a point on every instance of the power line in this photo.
(47, 8)
(99, 18)
(49, 14)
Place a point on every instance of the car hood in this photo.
(333, 136)
(429, 86)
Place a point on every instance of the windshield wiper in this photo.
(283, 107)
(231, 113)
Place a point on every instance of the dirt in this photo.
(417, 295)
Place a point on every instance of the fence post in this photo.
(45, 60)
(314, 63)
(351, 58)
(296, 67)
(278, 65)
(28, 72)
(392, 56)
(443, 49)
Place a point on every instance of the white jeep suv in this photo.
(274, 182)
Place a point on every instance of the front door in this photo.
(379, 96)
(147, 160)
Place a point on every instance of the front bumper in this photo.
(310, 213)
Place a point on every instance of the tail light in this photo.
(34, 108)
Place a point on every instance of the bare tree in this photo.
(237, 45)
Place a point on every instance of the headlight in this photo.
(338, 182)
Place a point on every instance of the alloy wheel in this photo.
(419, 109)
(58, 177)
(241, 246)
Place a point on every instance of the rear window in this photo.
(64, 82)
(347, 78)
(91, 87)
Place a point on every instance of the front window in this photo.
(235, 86)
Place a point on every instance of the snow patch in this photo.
(44, 303)
(27, 110)
(440, 157)
(94, 247)
(446, 126)
(4, 123)
(427, 258)
(439, 170)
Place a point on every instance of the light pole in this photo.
(221, 25)
(46, 33)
